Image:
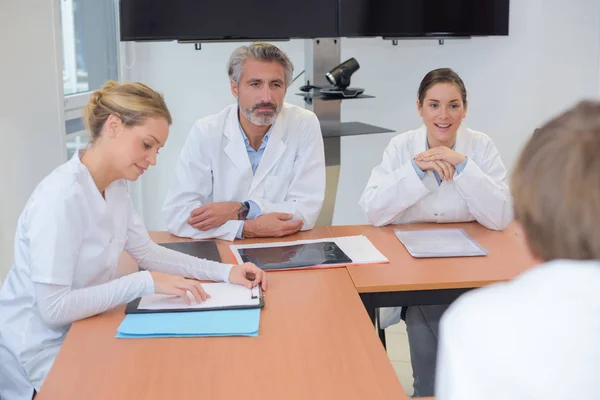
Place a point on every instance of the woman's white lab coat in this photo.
(67, 247)
(395, 194)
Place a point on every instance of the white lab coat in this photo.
(69, 239)
(535, 337)
(214, 167)
(396, 195)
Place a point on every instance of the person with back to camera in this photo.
(536, 337)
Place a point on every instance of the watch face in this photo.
(243, 212)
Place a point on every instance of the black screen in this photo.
(295, 256)
(420, 18)
(227, 19)
(206, 249)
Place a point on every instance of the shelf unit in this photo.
(320, 56)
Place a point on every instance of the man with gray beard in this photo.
(257, 168)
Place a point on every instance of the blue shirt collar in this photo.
(247, 141)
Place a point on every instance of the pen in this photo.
(250, 276)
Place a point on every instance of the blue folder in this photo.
(191, 324)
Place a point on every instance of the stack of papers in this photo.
(440, 243)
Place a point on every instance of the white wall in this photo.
(514, 83)
(31, 123)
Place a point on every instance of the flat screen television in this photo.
(423, 18)
(166, 20)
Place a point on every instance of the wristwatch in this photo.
(243, 211)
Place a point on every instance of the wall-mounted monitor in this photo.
(423, 18)
(189, 20)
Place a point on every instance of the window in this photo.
(90, 58)
(90, 44)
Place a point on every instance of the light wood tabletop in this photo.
(315, 339)
(315, 342)
(507, 258)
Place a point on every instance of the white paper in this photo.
(222, 295)
(440, 243)
(359, 248)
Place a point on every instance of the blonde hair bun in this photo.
(132, 102)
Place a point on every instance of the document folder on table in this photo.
(440, 243)
(190, 324)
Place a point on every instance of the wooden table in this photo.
(407, 281)
(315, 342)
(507, 258)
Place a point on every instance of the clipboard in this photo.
(206, 249)
(224, 296)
